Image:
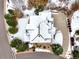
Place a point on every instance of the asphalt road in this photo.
(37, 55)
(5, 50)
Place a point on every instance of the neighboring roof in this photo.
(75, 25)
(33, 24)
(38, 55)
(16, 3)
(75, 22)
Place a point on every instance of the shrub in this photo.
(57, 49)
(22, 47)
(39, 9)
(77, 32)
(11, 17)
(11, 20)
(19, 45)
(33, 48)
(75, 54)
(13, 30)
(12, 23)
(8, 16)
(18, 13)
(11, 11)
(15, 42)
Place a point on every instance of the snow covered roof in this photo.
(46, 22)
(75, 22)
(58, 38)
(41, 20)
(29, 26)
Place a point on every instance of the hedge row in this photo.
(11, 21)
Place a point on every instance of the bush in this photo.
(18, 13)
(11, 11)
(11, 20)
(75, 54)
(8, 16)
(13, 30)
(11, 17)
(12, 23)
(15, 42)
(39, 9)
(57, 49)
(22, 47)
(36, 12)
(77, 32)
(19, 45)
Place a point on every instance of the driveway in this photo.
(61, 24)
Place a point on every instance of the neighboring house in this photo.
(75, 22)
(75, 27)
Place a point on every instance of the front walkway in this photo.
(60, 23)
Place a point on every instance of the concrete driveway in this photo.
(61, 24)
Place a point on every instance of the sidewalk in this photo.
(5, 50)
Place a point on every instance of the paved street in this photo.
(5, 51)
(39, 55)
